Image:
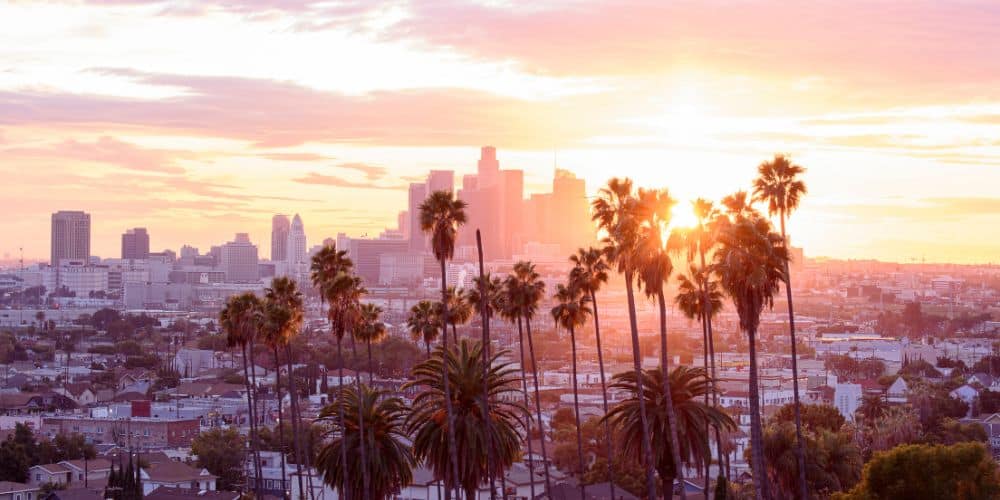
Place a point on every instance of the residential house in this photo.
(55, 474)
(166, 493)
(898, 392)
(176, 475)
(10, 490)
(82, 393)
(966, 393)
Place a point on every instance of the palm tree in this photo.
(570, 313)
(523, 292)
(424, 323)
(614, 210)
(778, 184)
(589, 273)
(391, 465)
(463, 366)
(440, 215)
(327, 268)
(655, 267)
(343, 294)
(241, 318)
(698, 298)
(687, 386)
(459, 310)
(750, 263)
(371, 330)
(284, 319)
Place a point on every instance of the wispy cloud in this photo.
(313, 178)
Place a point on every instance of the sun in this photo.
(682, 216)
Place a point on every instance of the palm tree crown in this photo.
(440, 215)
(390, 462)
(427, 422)
(778, 185)
(424, 322)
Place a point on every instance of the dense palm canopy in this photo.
(327, 263)
(687, 389)
(370, 328)
(750, 263)
(241, 318)
(427, 422)
(494, 297)
(284, 312)
(778, 185)
(440, 215)
(424, 322)
(390, 463)
(692, 301)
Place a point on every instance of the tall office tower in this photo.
(440, 180)
(403, 223)
(418, 192)
(488, 167)
(511, 207)
(70, 236)
(238, 260)
(135, 244)
(569, 199)
(296, 242)
(279, 237)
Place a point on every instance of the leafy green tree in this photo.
(951, 431)
(223, 453)
(833, 461)
(814, 417)
(929, 472)
(14, 461)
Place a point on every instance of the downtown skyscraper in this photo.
(280, 226)
(135, 244)
(70, 236)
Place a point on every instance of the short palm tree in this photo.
(370, 330)
(687, 387)
(615, 211)
(441, 214)
(427, 422)
(284, 319)
(242, 318)
(524, 290)
(589, 274)
(778, 184)
(424, 323)
(570, 313)
(391, 464)
(750, 264)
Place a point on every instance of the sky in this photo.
(199, 119)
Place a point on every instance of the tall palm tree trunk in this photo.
(250, 415)
(255, 441)
(647, 449)
(668, 399)
(366, 480)
(527, 406)
(281, 422)
(800, 453)
(707, 321)
(340, 409)
(760, 486)
(576, 413)
(538, 408)
(371, 365)
(293, 407)
(485, 311)
(708, 439)
(452, 443)
(608, 438)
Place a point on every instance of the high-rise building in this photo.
(239, 261)
(511, 207)
(367, 255)
(488, 168)
(135, 244)
(417, 194)
(296, 246)
(280, 226)
(440, 180)
(70, 236)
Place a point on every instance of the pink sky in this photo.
(200, 119)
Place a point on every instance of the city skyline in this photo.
(895, 122)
